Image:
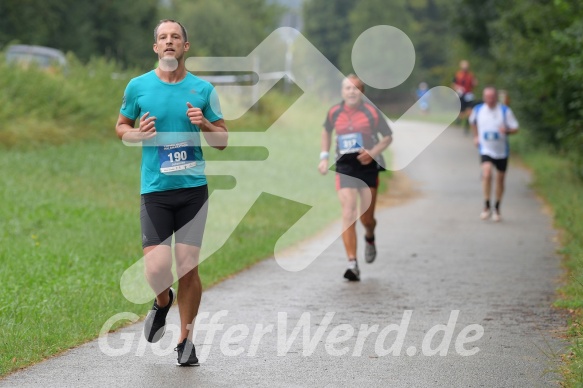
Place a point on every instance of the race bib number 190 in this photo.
(350, 143)
(176, 157)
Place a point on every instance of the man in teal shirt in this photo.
(172, 108)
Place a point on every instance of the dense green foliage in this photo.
(122, 30)
(327, 27)
(536, 49)
(333, 27)
(38, 108)
(224, 27)
(114, 29)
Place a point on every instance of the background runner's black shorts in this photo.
(181, 211)
(500, 164)
(466, 104)
(352, 174)
(369, 179)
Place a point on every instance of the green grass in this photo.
(39, 108)
(69, 208)
(556, 181)
(71, 228)
(432, 118)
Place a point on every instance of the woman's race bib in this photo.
(350, 143)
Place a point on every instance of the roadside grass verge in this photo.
(40, 109)
(556, 181)
(71, 227)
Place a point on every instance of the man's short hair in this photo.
(184, 34)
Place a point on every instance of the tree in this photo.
(431, 33)
(327, 27)
(223, 27)
(371, 13)
(537, 48)
(120, 30)
(28, 21)
(334, 26)
(473, 19)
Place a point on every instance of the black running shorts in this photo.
(500, 164)
(368, 179)
(466, 104)
(182, 212)
(351, 174)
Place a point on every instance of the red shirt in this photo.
(345, 120)
(465, 79)
(364, 119)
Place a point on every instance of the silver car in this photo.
(45, 58)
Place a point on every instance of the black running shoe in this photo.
(352, 272)
(155, 324)
(186, 354)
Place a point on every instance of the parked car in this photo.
(46, 58)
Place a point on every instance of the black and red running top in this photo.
(364, 119)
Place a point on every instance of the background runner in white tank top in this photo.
(492, 141)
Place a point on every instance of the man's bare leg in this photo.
(486, 188)
(368, 195)
(189, 287)
(158, 265)
(487, 180)
(500, 177)
(348, 201)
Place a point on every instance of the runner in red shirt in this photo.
(357, 124)
(464, 82)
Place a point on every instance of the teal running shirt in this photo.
(173, 159)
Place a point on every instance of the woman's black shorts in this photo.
(351, 174)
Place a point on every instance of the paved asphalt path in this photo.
(435, 257)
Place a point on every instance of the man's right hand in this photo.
(476, 141)
(147, 127)
(323, 166)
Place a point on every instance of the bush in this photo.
(540, 52)
(38, 107)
